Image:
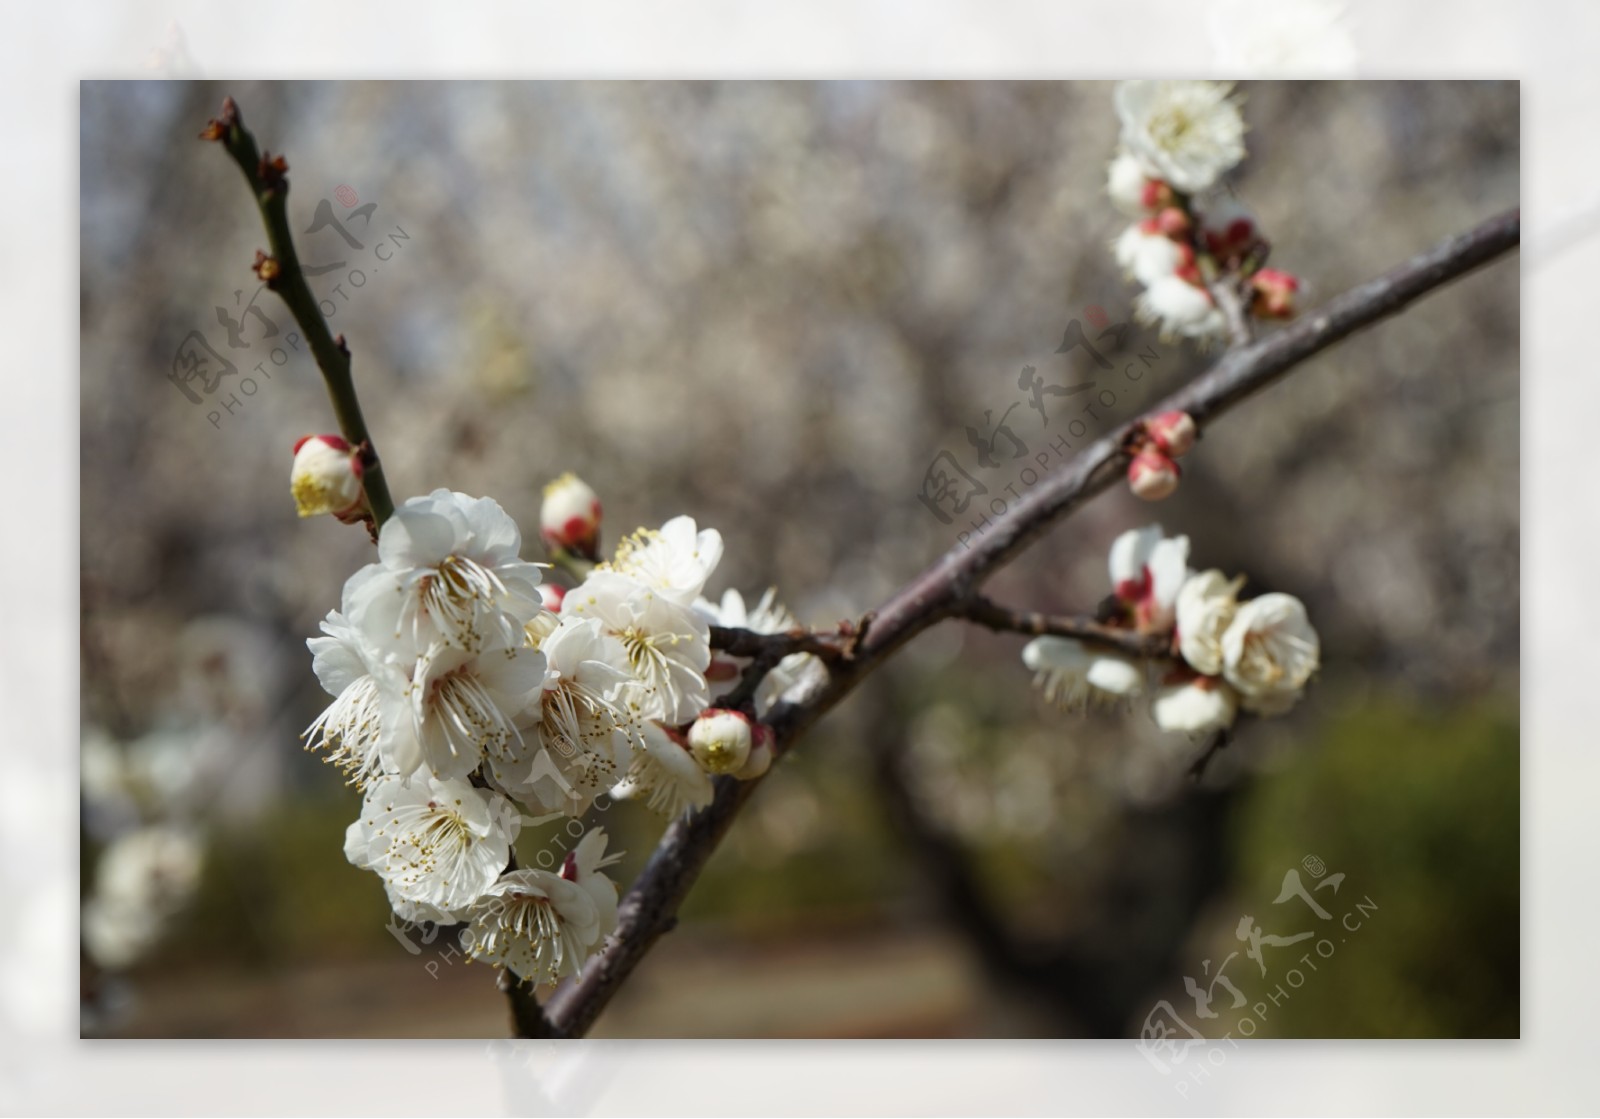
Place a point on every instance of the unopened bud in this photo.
(552, 596)
(1274, 293)
(326, 478)
(720, 740)
(1152, 475)
(1156, 194)
(1174, 223)
(761, 754)
(1228, 230)
(1173, 432)
(569, 518)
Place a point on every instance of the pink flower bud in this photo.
(1156, 194)
(1173, 432)
(1152, 475)
(721, 740)
(569, 518)
(1274, 293)
(552, 596)
(326, 478)
(1174, 223)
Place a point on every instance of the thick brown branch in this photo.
(991, 615)
(650, 907)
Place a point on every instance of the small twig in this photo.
(282, 273)
(1241, 329)
(985, 612)
(748, 643)
(1219, 742)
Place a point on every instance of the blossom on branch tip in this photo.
(1073, 678)
(569, 517)
(1148, 569)
(326, 478)
(1200, 705)
(1205, 609)
(1270, 651)
(1188, 133)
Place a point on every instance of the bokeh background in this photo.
(771, 305)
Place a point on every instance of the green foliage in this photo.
(1420, 811)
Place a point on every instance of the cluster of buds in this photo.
(326, 478)
(1157, 442)
(1178, 140)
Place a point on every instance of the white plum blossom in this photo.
(1205, 609)
(666, 645)
(664, 774)
(1187, 133)
(142, 880)
(439, 843)
(456, 708)
(448, 571)
(543, 926)
(1074, 678)
(674, 561)
(580, 738)
(1148, 255)
(348, 729)
(768, 615)
(1199, 706)
(1181, 309)
(1131, 188)
(1269, 652)
(1148, 569)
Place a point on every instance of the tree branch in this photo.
(282, 273)
(985, 612)
(748, 643)
(649, 908)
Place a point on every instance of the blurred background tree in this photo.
(771, 305)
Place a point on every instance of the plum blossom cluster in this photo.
(1225, 656)
(466, 693)
(1178, 140)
